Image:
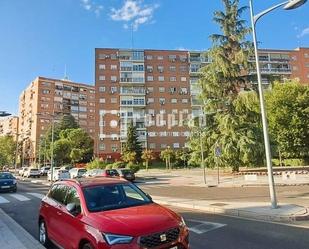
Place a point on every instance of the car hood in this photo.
(135, 221)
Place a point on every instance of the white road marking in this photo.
(3, 200)
(20, 197)
(37, 195)
(204, 226)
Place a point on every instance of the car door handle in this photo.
(59, 213)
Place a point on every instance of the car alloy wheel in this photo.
(43, 237)
(87, 246)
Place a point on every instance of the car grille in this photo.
(154, 240)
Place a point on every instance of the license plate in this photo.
(5, 186)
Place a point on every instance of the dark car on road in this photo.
(126, 174)
(107, 213)
(8, 182)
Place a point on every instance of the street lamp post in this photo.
(288, 5)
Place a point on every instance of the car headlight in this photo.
(113, 239)
(14, 182)
(182, 223)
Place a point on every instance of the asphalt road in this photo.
(207, 231)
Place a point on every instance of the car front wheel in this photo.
(87, 246)
(43, 237)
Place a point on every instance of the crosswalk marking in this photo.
(3, 200)
(37, 195)
(20, 197)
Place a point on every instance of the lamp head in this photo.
(293, 4)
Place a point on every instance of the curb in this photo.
(239, 212)
(23, 236)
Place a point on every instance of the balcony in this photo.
(273, 71)
(132, 80)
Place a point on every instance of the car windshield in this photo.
(125, 171)
(112, 172)
(6, 176)
(109, 197)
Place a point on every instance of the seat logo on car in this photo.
(163, 237)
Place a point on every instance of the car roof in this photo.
(95, 181)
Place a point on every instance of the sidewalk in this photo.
(13, 236)
(253, 210)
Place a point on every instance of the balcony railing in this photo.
(273, 71)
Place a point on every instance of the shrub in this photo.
(118, 165)
(134, 167)
(96, 164)
(109, 166)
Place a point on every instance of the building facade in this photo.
(158, 91)
(47, 99)
(9, 126)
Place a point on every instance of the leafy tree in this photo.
(129, 156)
(7, 150)
(288, 116)
(62, 149)
(148, 156)
(133, 144)
(168, 156)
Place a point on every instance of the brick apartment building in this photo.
(9, 126)
(158, 89)
(45, 98)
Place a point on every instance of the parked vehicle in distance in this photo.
(102, 172)
(106, 213)
(22, 171)
(44, 170)
(49, 173)
(7, 182)
(67, 167)
(59, 174)
(77, 172)
(127, 174)
(32, 172)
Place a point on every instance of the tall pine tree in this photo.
(133, 144)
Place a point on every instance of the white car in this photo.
(59, 174)
(77, 172)
(32, 172)
(22, 171)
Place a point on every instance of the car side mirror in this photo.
(148, 195)
(73, 209)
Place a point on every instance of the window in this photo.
(113, 67)
(162, 111)
(161, 78)
(45, 91)
(102, 147)
(149, 78)
(113, 78)
(101, 66)
(150, 89)
(47, 84)
(162, 101)
(161, 89)
(58, 193)
(173, 101)
(102, 89)
(306, 55)
(172, 68)
(163, 146)
(113, 56)
(183, 58)
(149, 69)
(173, 78)
(183, 68)
(307, 64)
(172, 58)
(102, 77)
(176, 145)
(72, 197)
(149, 57)
(160, 69)
(163, 134)
(295, 68)
(114, 89)
(113, 100)
(102, 100)
(175, 134)
(151, 111)
(152, 145)
(183, 78)
(82, 109)
(160, 57)
(183, 90)
(114, 147)
(184, 101)
(173, 89)
(138, 67)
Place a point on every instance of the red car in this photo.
(107, 213)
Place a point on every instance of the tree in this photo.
(129, 157)
(220, 83)
(7, 150)
(148, 156)
(168, 156)
(288, 117)
(133, 144)
(62, 149)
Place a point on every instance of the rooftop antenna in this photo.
(65, 72)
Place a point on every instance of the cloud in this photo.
(92, 6)
(134, 13)
(303, 33)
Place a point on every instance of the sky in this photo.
(43, 37)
